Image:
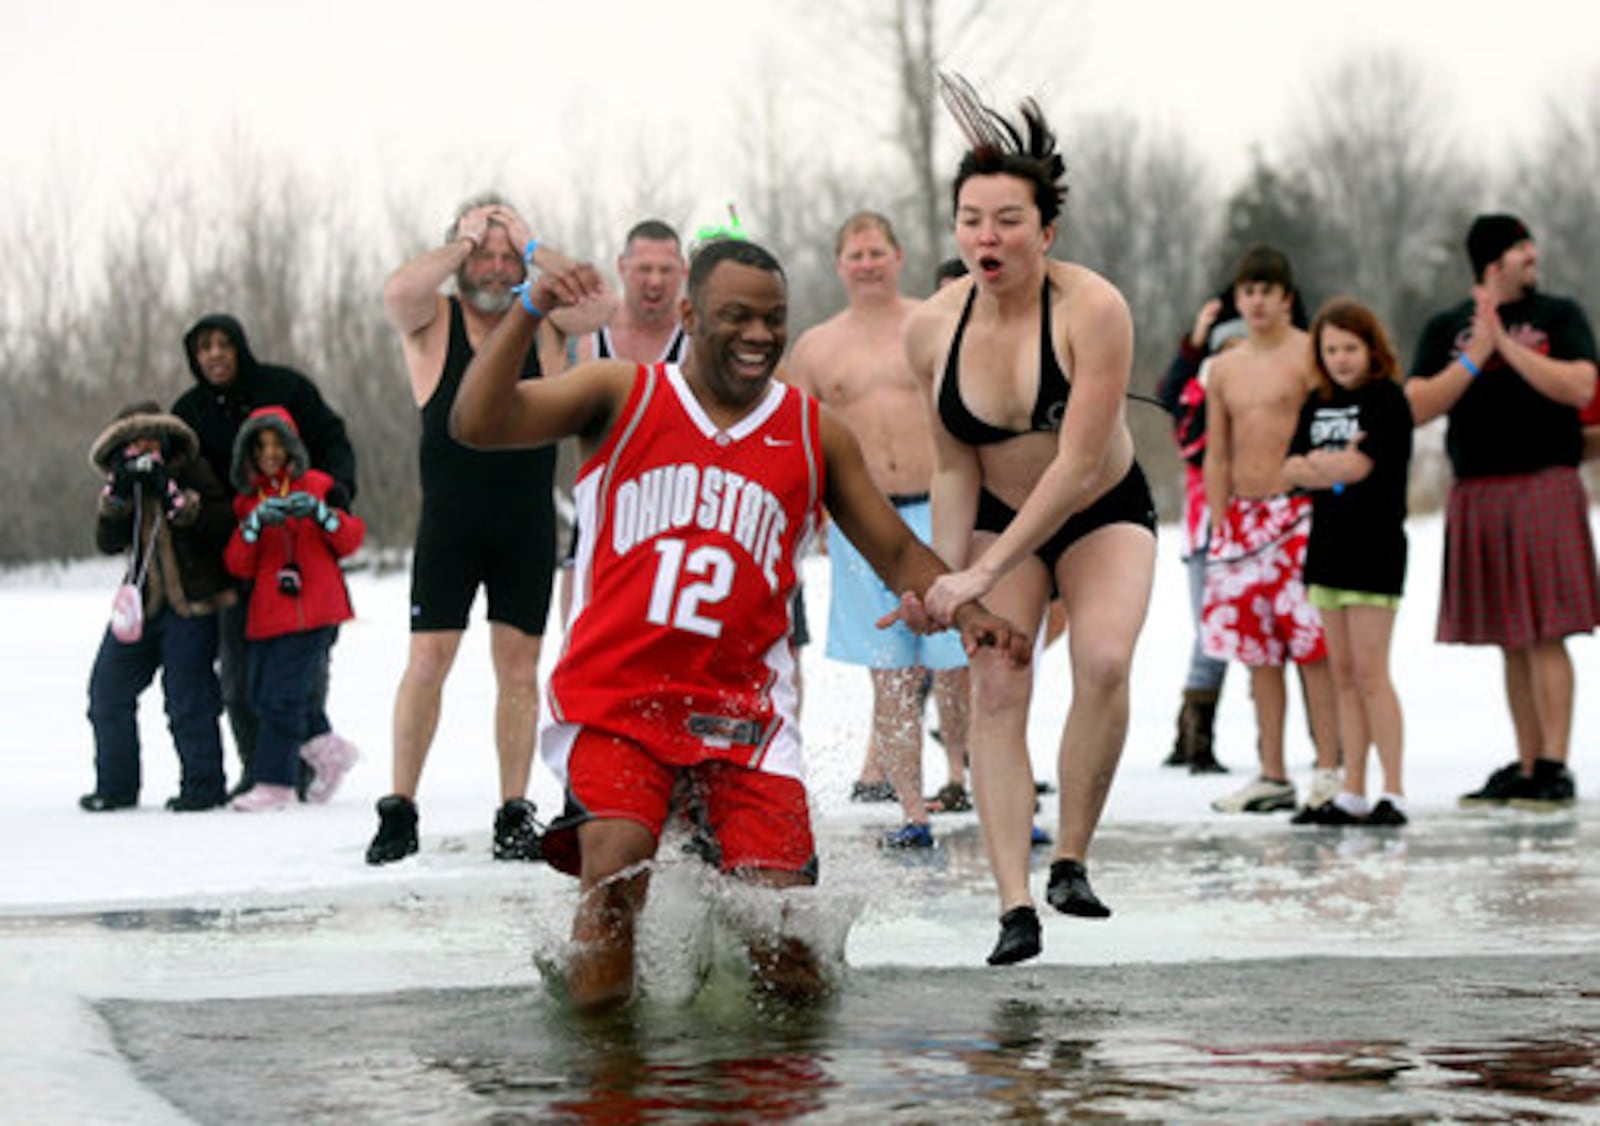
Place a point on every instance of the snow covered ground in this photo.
(153, 907)
(59, 859)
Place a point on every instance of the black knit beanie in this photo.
(1490, 237)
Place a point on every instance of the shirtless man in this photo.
(645, 327)
(1259, 532)
(855, 363)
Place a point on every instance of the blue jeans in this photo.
(285, 675)
(1205, 673)
(184, 649)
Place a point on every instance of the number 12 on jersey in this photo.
(684, 586)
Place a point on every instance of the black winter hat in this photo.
(1490, 237)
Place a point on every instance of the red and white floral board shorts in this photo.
(1254, 608)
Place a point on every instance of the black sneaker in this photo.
(106, 803)
(1499, 789)
(195, 803)
(1328, 813)
(1551, 788)
(1019, 937)
(1387, 815)
(517, 835)
(1069, 891)
(397, 830)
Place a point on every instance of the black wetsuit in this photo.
(488, 516)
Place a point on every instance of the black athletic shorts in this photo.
(1127, 502)
(464, 542)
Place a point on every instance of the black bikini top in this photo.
(1048, 405)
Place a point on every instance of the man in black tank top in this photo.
(488, 519)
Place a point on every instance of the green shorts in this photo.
(1332, 598)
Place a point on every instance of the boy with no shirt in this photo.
(1255, 608)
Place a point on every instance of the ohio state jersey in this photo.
(679, 632)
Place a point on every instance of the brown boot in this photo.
(1196, 731)
(1180, 745)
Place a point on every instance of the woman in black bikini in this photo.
(1035, 491)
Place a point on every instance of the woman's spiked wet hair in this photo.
(995, 145)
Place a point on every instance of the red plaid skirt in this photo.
(1519, 562)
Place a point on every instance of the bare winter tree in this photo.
(1142, 211)
(1374, 146)
(75, 349)
(1277, 207)
(792, 199)
(1555, 182)
(892, 53)
(270, 247)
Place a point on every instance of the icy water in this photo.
(1252, 973)
(1446, 1039)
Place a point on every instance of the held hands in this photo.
(979, 628)
(949, 591)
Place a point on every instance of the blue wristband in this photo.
(527, 252)
(521, 290)
(1466, 361)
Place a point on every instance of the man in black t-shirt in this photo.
(1512, 368)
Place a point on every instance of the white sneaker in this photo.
(1259, 796)
(264, 797)
(1325, 786)
(331, 756)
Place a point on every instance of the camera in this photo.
(144, 461)
(289, 580)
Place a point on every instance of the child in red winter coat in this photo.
(288, 543)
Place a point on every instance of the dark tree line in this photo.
(1368, 197)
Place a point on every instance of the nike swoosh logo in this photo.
(771, 441)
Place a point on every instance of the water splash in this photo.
(694, 938)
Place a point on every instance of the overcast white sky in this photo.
(430, 101)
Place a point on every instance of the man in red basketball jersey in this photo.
(701, 484)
